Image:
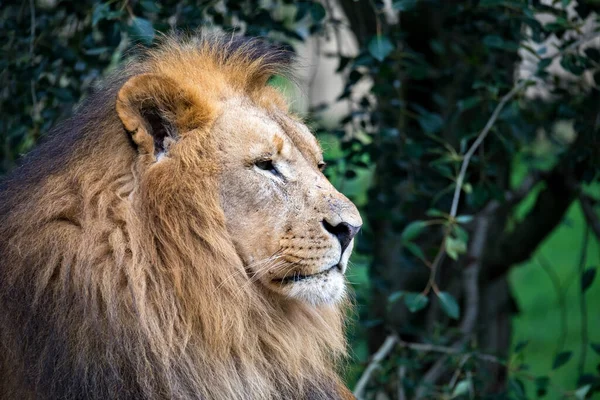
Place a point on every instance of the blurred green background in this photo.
(466, 132)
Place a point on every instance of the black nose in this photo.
(343, 231)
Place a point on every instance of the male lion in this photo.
(176, 239)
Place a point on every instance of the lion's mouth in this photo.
(297, 277)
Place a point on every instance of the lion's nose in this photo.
(343, 231)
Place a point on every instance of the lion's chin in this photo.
(328, 287)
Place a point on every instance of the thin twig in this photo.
(480, 138)
(401, 374)
(560, 296)
(426, 347)
(387, 346)
(456, 375)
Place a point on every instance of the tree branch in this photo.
(548, 211)
(378, 357)
(449, 351)
(480, 138)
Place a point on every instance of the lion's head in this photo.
(291, 228)
(176, 239)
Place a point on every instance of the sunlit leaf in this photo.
(463, 219)
(462, 387)
(455, 247)
(460, 233)
(380, 47)
(582, 392)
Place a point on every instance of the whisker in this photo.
(274, 256)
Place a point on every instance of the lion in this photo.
(176, 239)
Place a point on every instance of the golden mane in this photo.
(102, 297)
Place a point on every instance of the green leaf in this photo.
(380, 47)
(430, 122)
(544, 63)
(582, 391)
(449, 305)
(432, 212)
(493, 41)
(150, 6)
(97, 50)
(460, 233)
(404, 5)
(415, 301)
(100, 13)
(412, 230)
(463, 219)
(541, 385)
(317, 12)
(521, 345)
(395, 296)
(593, 54)
(468, 103)
(302, 9)
(573, 64)
(596, 347)
(561, 359)
(517, 388)
(415, 250)
(454, 247)
(462, 387)
(141, 29)
(587, 278)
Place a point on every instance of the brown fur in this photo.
(119, 278)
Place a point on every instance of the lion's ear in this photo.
(155, 109)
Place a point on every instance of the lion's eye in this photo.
(267, 165)
(322, 165)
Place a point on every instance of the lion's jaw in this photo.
(287, 222)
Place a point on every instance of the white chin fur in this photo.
(328, 289)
